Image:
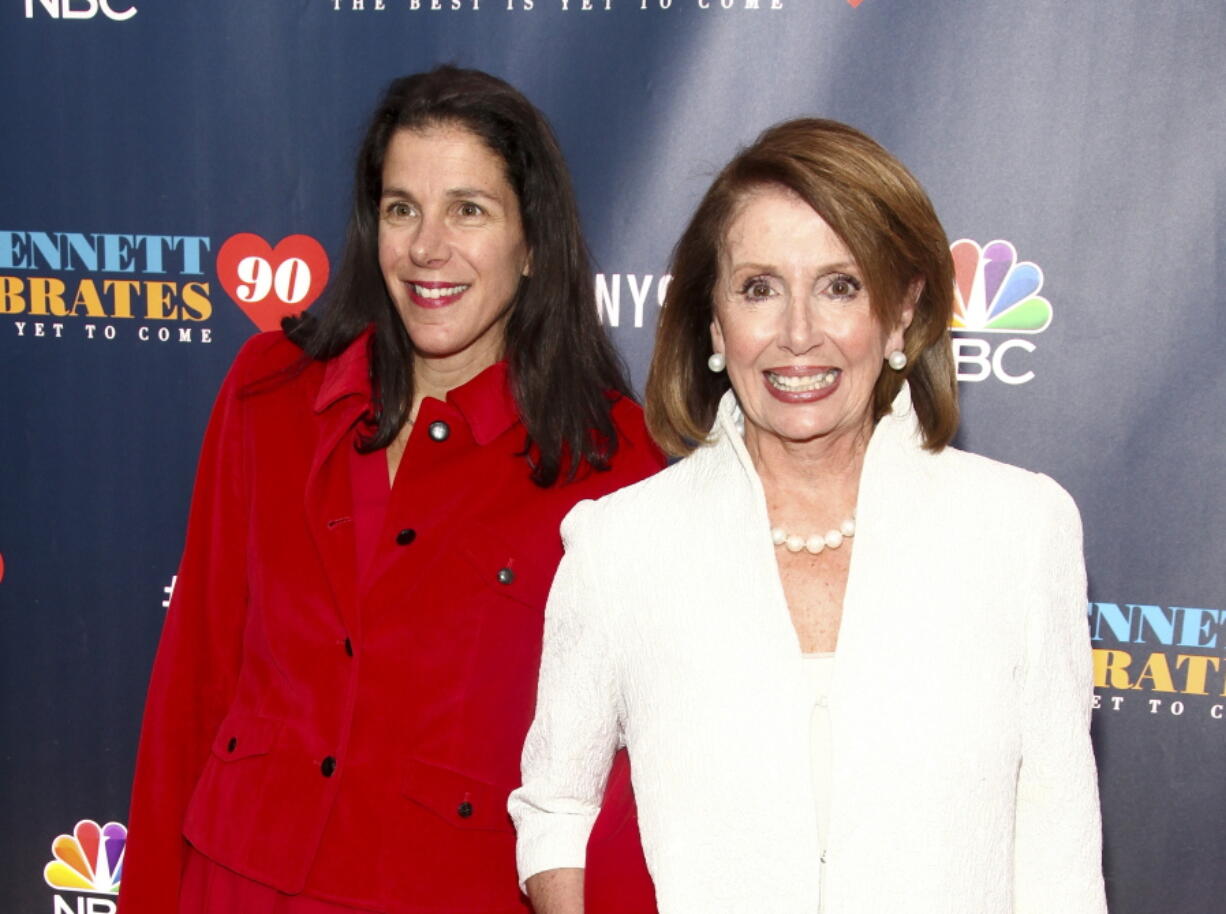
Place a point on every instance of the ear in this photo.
(717, 335)
(895, 339)
(527, 270)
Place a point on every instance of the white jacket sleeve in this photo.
(570, 746)
(1058, 850)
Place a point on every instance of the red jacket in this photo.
(355, 737)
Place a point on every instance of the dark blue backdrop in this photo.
(1088, 135)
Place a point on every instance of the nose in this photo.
(800, 329)
(428, 247)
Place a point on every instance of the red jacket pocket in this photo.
(463, 800)
(508, 568)
(242, 736)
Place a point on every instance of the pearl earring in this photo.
(717, 362)
(897, 360)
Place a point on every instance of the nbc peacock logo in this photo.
(995, 293)
(89, 860)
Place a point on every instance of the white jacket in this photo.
(963, 778)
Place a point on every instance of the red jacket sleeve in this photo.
(196, 666)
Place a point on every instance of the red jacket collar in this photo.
(347, 374)
(486, 402)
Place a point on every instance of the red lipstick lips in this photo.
(791, 389)
(436, 299)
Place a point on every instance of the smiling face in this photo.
(451, 245)
(793, 320)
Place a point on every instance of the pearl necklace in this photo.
(815, 543)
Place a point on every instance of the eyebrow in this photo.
(470, 192)
(839, 266)
(454, 193)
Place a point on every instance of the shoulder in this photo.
(1013, 494)
(629, 514)
(979, 476)
(265, 353)
(270, 367)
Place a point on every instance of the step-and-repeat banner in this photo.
(176, 175)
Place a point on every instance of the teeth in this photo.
(798, 383)
(424, 292)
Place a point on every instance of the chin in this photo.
(428, 342)
(801, 427)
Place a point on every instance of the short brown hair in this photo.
(885, 219)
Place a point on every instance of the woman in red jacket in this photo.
(348, 667)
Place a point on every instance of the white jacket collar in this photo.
(897, 433)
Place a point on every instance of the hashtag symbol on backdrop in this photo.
(169, 590)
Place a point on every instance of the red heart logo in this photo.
(854, 3)
(271, 283)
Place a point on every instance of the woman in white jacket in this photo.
(850, 662)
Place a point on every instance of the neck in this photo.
(818, 479)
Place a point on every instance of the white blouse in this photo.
(819, 674)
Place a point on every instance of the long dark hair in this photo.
(564, 372)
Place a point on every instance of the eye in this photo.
(469, 210)
(397, 211)
(843, 286)
(757, 288)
